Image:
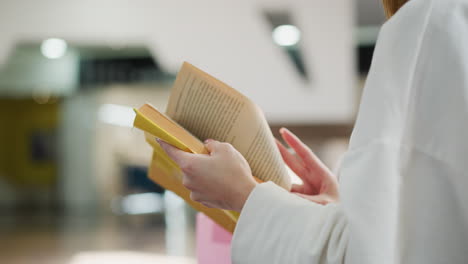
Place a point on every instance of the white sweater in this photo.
(404, 179)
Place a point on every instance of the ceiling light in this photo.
(54, 48)
(286, 35)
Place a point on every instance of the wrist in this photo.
(243, 195)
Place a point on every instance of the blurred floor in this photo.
(52, 239)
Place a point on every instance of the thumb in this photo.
(179, 156)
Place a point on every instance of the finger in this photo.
(304, 189)
(295, 143)
(188, 183)
(305, 154)
(196, 197)
(314, 198)
(292, 161)
(178, 156)
(211, 145)
(297, 188)
(209, 205)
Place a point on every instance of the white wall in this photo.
(370, 12)
(229, 39)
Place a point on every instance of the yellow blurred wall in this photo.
(24, 123)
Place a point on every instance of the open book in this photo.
(202, 107)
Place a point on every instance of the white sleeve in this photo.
(403, 182)
(276, 226)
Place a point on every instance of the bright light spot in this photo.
(125, 257)
(286, 35)
(53, 48)
(141, 203)
(118, 115)
(176, 224)
(294, 178)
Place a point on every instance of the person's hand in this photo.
(319, 183)
(222, 179)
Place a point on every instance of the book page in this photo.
(208, 108)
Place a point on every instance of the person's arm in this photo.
(275, 226)
(279, 227)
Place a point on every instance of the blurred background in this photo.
(73, 171)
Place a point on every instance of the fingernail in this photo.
(282, 130)
(208, 140)
(159, 140)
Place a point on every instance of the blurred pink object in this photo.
(213, 242)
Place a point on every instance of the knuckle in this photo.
(215, 143)
(226, 147)
(212, 142)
